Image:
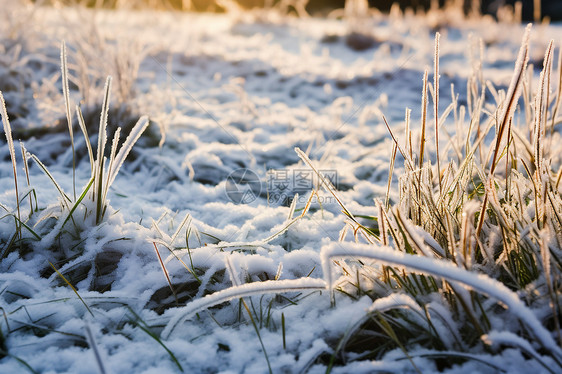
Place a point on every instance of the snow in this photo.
(221, 94)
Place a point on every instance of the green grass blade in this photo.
(258, 334)
(138, 322)
(82, 124)
(100, 160)
(72, 287)
(64, 196)
(77, 203)
(21, 361)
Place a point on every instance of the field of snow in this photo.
(210, 187)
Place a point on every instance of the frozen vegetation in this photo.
(255, 192)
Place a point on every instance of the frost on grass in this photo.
(230, 92)
(450, 272)
(239, 291)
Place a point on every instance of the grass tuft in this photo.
(475, 247)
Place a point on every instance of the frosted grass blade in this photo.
(102, 139)
(112, 153)
(436, 108)
(64, 196)
(135, 134)
(180, 226)
(66, 94)
(82, 124)
(26, 170)
(324, 182)
(507, 111)
(497, 338)
(513, 93)
(248, 289)
(94, 347)
(10, 140)
(423, 119)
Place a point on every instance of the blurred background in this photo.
(546, 8)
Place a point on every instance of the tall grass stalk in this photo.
(103, 180)
(97, 192)
(10, 140)
(436, 107)
(66, 94)
(506, 112)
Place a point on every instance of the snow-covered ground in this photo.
(229, 98)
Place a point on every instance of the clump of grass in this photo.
(475, 236)
(238, 291)
(101, 178)
(18, 237)
(184, 256)
(79, 210)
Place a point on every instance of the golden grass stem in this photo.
(436, 108)
(507, 110)
(165, 271)
(423, 120)
(72, 287)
